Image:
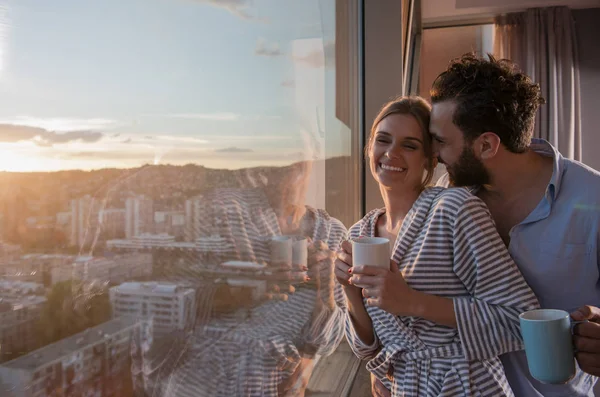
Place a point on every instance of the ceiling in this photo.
(453, 10)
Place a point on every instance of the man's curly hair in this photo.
(491, 96)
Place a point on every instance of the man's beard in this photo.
(468, 170)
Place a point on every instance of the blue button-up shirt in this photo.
(557, 248)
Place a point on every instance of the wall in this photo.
(588, 29)
(383, 71)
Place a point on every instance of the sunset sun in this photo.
(23, 160)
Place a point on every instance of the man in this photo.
(546, 207)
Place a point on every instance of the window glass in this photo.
(439, 46)
(172, 172)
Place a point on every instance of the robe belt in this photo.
(383, 364)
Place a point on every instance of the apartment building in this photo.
(9, 252)
(19, 316)
(139, 216)
(95, 362)
(170, 306)
(116, 269)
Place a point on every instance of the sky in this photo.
(87, 84)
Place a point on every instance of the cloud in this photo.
(42, 137)
(62, 124)
(109, 155)
(318, 58)
(220, 116)
(234, 149)
(156, 142)
(51, 137)
(288, 83)
(17, 133)
(116, 135)
(239, 8)
(251, 138)
(181, 139)
(267, 49)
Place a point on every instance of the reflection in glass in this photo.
(159, 160)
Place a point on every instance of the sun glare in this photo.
(20, 161)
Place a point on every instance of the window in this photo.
(127, 125)
(440, 45)
(431, 49)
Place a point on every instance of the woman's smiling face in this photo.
(397, 156)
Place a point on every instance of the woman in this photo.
(434, 323)
(265, 347)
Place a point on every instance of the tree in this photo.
(71, 308)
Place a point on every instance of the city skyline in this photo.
(143, 144)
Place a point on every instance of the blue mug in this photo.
(548, 337)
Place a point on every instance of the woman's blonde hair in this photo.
(420, 109)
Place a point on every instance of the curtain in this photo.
(542, 42)
(509, 31)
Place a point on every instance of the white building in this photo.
(16, 289)
(45, 261)
(112, 222)
(147, 241)
(92, 363)
(209, 244)
(84, 221)
(170, 222)
(192, 211)
(9, 252)
(117, 269)
(139, 216)
(130, 266)
(19, 316)
(34, 267)
(170, 306)
(21, 304)
(89, 268)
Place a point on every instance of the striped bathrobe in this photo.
(251, 353)
(448, 246)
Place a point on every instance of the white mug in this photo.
(300, 251)
(372, 251)
(281, 250)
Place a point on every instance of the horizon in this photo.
(287, 164)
